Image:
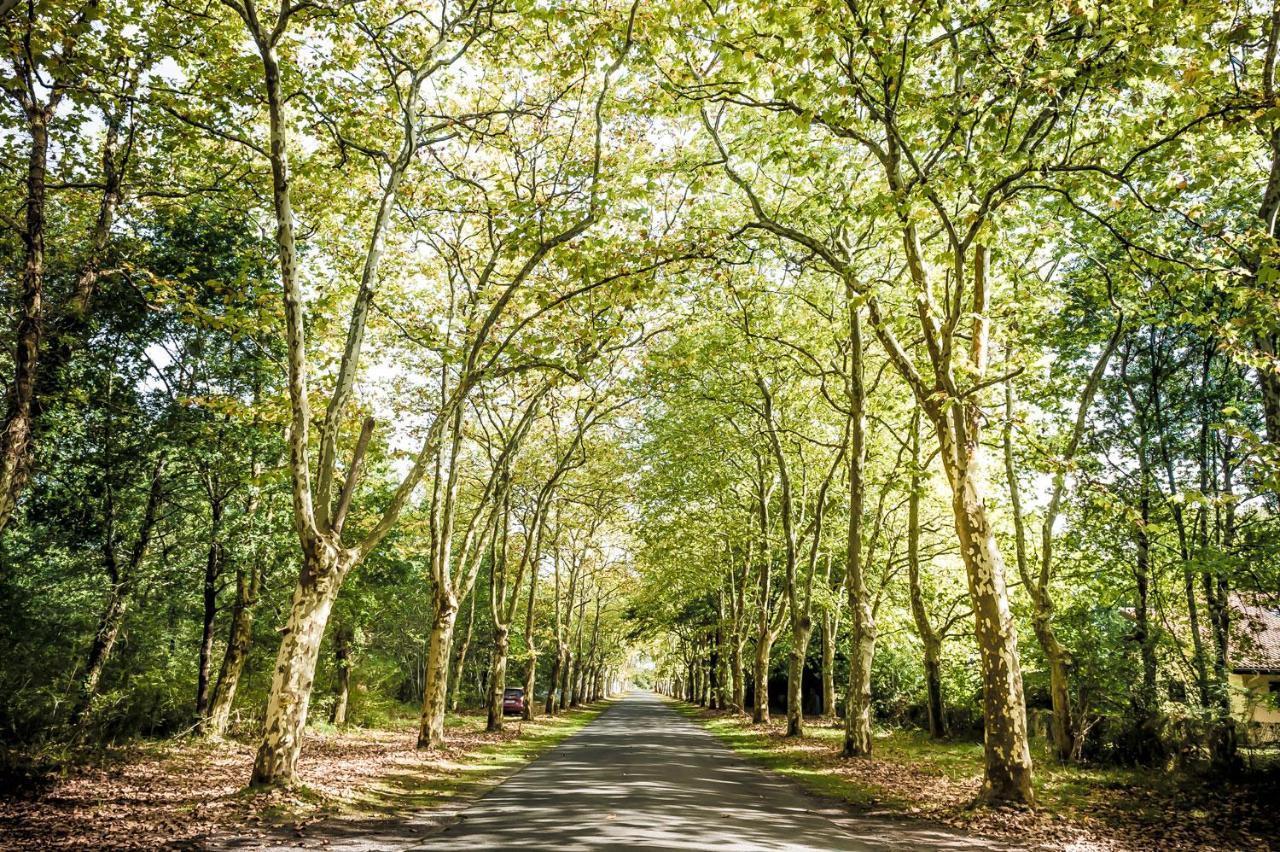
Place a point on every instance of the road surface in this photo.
(643, 776)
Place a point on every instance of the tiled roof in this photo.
(1255, 633)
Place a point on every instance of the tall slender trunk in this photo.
(104, 642)
(531, 661)
(857, 716)
(719, 688)
(497, 676)
(323, 570)
(1223, 747)
(460, 656)
(553, 682)
(566, 679)
(739, 675)
(1062, 727)
(15, 440)
(1142, 633)
(828, 631)
(760, 675)
(929, 637)
(958, 420)
(122, 577)
(239, 640)
(738, 637)
(212, 571)
(343, 639)
(431, 726)
(576, 663)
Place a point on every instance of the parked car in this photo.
(513, 701)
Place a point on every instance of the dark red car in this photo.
(513, 701)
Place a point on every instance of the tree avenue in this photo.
(873, 366)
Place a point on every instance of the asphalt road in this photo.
(643, 776)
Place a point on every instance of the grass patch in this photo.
(1087, 806)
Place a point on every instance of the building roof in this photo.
(1255, 645)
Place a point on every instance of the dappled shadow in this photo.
(642, 776)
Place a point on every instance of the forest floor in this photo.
(180, 793)
(1078, 808)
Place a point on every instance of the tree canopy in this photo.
(365, 355)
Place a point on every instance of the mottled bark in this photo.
(323, 569)
(1062, 728)
(431, 725)
(1007, 754)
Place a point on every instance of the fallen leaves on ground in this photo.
(147, 795)
(1079, 808)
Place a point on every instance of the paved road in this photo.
(642, 776)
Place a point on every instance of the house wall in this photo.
(1250, 700)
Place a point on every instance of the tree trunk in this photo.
(828, 631)
(857, 722)
(460, 658)
(933, 690)
(760, 671)
(212, 570)
(795, 677)
(531, 662)
(530, 681)
(739, 675)
(1008, 769)
(719, 697)
(323, 570)
(498, 677)
(104, 642)
(1223, 748)
(431, 727)
(343, 639)
(553, 682)
(15, 441)
(857, 715)
(1061, 725)
(239, 641)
